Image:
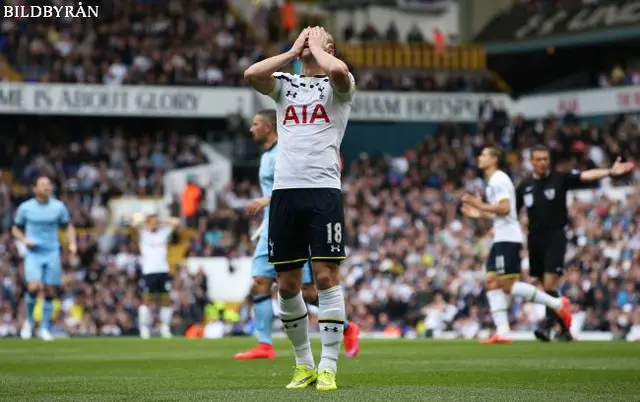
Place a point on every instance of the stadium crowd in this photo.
(415, 265)
(412, 256)
(425, 82)
(100, 295)
(621, 76)
(135, 43)
(152, 44)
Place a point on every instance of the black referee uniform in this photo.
(546, 202)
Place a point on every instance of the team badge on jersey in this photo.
(528, 200)
(550, 193)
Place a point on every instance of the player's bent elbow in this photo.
(252, 75)
(260, 84)
(340, 71)
(249, 75)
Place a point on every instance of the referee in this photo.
(545, 197)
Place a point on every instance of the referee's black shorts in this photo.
(546, 253)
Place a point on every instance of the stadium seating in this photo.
(140, 43)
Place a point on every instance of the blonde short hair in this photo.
(331, 45)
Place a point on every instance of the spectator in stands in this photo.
(392, 34)
(620, 76)
(415, 34)
(439, 41)
(349, 31)
(369, 33)
(289, 17)
(191, 198)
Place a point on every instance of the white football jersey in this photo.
(154, 246)
(505, 228)
(312, 119)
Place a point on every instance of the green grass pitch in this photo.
(133, 370)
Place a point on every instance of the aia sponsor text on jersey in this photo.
(305, 114)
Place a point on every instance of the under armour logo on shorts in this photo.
(335, 249)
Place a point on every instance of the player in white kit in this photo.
(306, 216)
(263, 131)
(504, 262)
(154, 234)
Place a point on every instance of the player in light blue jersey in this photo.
(263, 131)
(36, 226)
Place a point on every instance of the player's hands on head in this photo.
(298, 45)
(318, 37)
(620, 168)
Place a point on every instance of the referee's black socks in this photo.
(552, 316)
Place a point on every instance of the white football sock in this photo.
(532, 294)
(144, 318)
(331, 315)
(498, 305)
(295, 319)
(166, 314)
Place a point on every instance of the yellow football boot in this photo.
(303, 377)
(326, 381)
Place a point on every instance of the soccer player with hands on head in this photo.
(263, 132)
(306, 210)
(154, 234)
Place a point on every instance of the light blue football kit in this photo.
(261, 266)
(42, 262)
(40, 222)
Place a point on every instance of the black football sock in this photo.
(552, 317)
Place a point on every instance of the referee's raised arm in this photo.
(618, 168)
